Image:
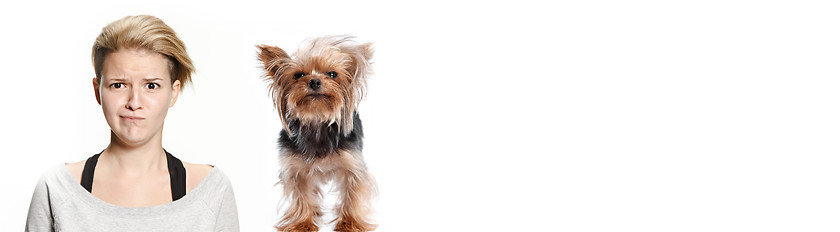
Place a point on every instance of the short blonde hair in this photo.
(145, 32)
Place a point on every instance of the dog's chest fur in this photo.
(319, 141)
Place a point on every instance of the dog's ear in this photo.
(361, 55)
(272, 57)
(360, 68)
(366, 50)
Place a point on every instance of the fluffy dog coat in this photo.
(316, 92)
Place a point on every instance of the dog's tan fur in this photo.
(302, 181)
(333, 103)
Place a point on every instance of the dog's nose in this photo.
(314, 84)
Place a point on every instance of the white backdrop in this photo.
(518, 116)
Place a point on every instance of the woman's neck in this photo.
(134, 158)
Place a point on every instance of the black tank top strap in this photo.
(177, 175)
(87, 172)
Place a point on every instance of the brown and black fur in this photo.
(316, 93)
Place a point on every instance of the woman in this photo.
(134, 184)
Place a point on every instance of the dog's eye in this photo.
(299, 75)
(332, 74)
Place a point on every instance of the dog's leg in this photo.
(356, 188)
(301, 189)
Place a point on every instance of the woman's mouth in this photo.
(131, 118)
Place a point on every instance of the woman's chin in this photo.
(133, 139)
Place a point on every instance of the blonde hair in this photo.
(145, 32)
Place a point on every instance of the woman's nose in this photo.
(134, 102)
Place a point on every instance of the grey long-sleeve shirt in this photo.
(61, 204)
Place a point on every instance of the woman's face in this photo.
(135, 93)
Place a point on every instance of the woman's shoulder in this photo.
(57, 181)
(76, 170)
(58, 172)
(196, 174)
(208, 183)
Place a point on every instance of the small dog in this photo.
(316, 92)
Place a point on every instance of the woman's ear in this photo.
(96, 91)
(176, 89)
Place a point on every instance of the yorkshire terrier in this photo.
(316, 92)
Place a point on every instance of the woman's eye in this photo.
(152, 85)
(332, 74)
(299, 75)
(117, 85)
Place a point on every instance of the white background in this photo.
(482, 116)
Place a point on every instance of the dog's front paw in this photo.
(353, 226)
(301, 227)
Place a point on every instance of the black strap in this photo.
(177, 175)
(87, 173)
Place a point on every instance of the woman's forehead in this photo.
(136, 64)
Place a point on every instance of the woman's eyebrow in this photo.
(153, 79)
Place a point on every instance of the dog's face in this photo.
(322, 83)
